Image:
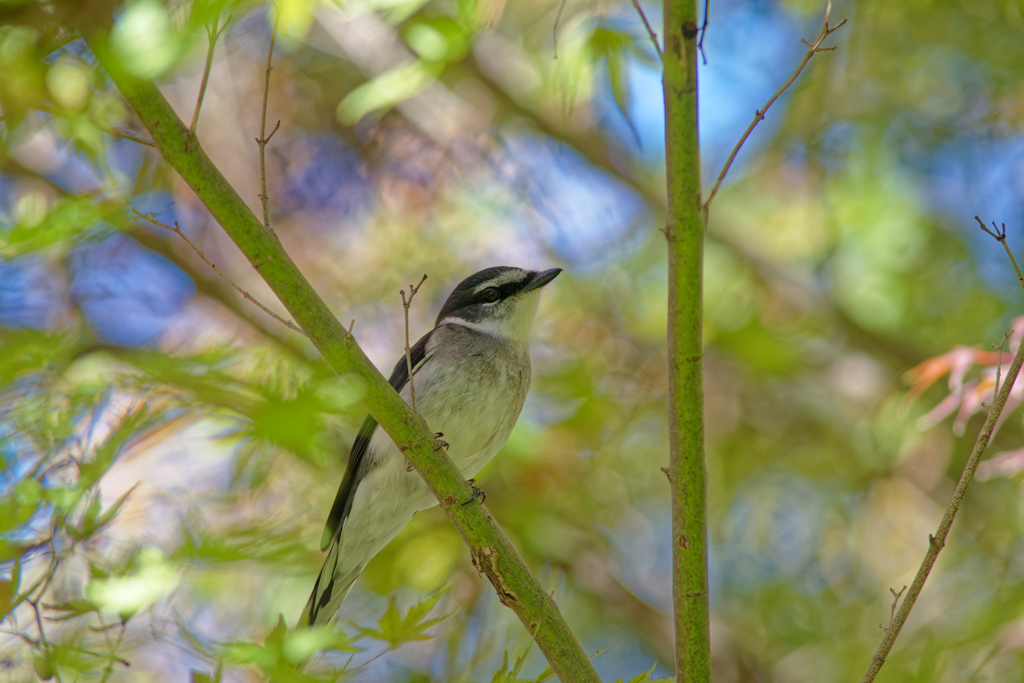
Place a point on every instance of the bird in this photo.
(471, 374)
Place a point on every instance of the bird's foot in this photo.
(477, 493)
(440, 444)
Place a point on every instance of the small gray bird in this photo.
(471, 374)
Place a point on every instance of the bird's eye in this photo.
(490, 295)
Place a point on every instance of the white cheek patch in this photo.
(491, 327)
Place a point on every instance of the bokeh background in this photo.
(425, 136)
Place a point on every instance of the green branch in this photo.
(492, 552)
(937, 542)
(684, 231)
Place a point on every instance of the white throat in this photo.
(515, 325)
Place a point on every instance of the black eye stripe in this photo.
(506, 290)
(466, 300)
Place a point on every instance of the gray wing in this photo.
(355, 471)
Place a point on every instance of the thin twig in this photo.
(128, 135)
(370, 661)
(109, 130)
(815, 48)
(113, 658)
(32, 642)
(558, 18)
(999, 363)
(650, 31)
(703, 32)
(936, 542)
(263, 139)
(408, 351)
(212, 33)
(895, 603)
(1000, 237)
(47, 647)
(177, 230)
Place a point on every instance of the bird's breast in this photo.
(475, 401)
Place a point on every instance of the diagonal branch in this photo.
(650, 31)
(177, 231)
(936, 542)
(814, 48)
(492, 552)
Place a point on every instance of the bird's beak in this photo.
(542, 279)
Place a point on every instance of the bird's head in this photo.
(501, 301)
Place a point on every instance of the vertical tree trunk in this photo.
(684, 232)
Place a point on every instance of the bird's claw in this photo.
(440, 444)
(477, 493)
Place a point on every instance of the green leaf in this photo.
(437, 39)
(10, 551)
(640, 678)
(503, 675)
(276, 636)
(23, 85)
(7, 589)
(72, 609)
(92, 520)
(396, 629)
(112, 511)
(92, 512)
(197, 374)
(66, 218)
(304, 642)
(615, 47)
(291, 422)
(281, 652)
(27, 351)
(250, 653)
(295, 17)
(153, 578)
(105, 454)
(389, 89)
(64, 498)
(43, 668)
(260, 542)
(466, 13)
(18, 508)
(203, 677)
(545, 675)
(144, 40)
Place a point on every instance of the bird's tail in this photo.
(329, 591)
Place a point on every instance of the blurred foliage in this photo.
(168, 452)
